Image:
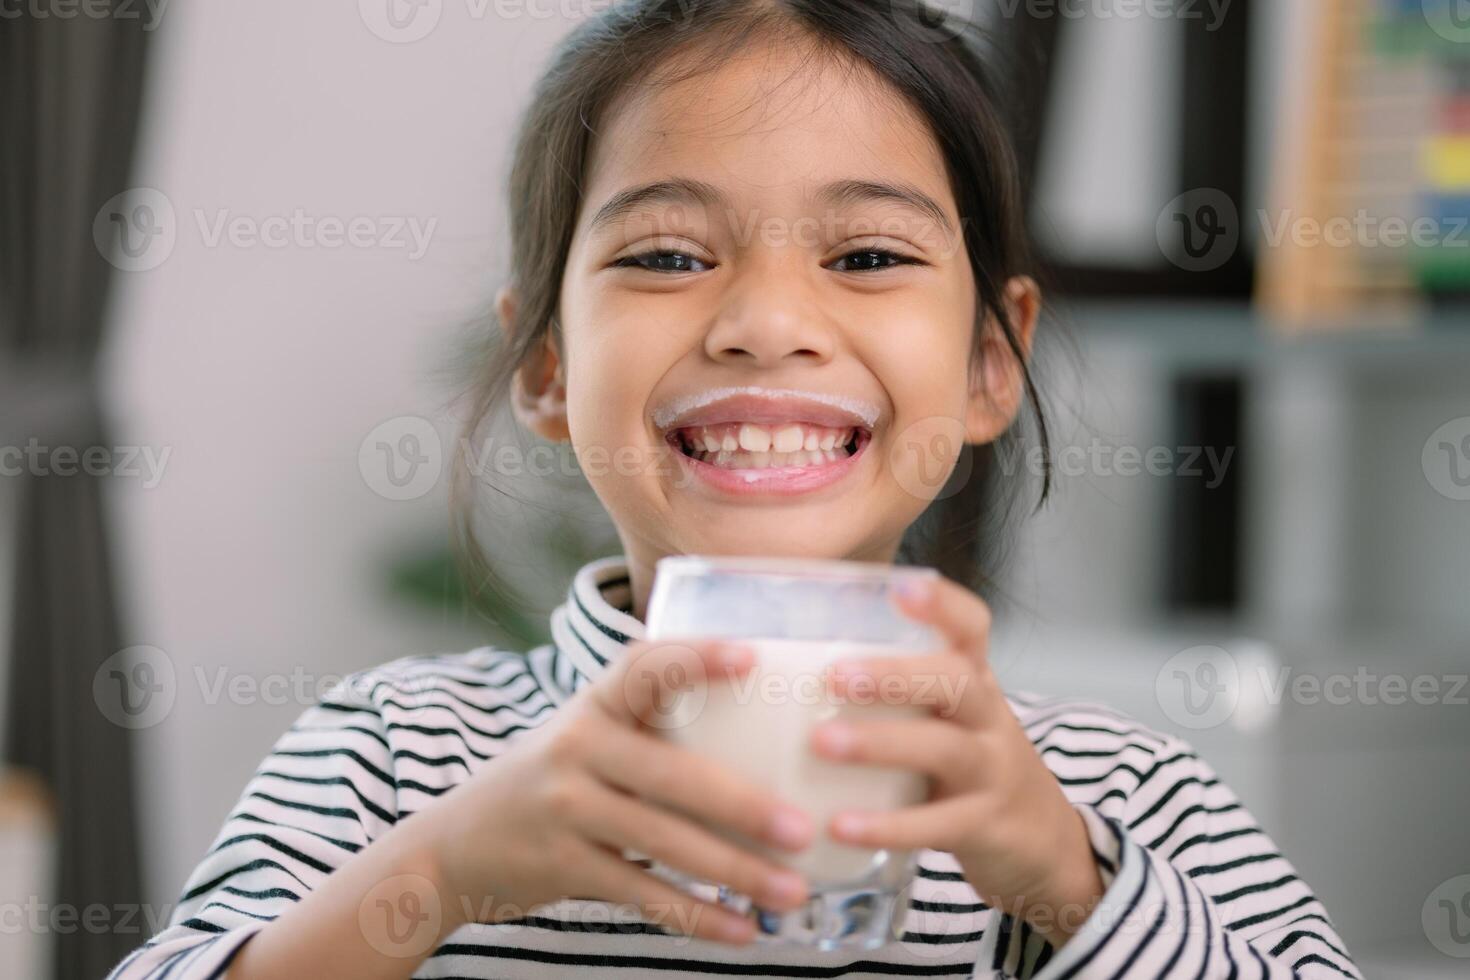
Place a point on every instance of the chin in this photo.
(776, 538)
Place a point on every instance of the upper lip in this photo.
(765, 406)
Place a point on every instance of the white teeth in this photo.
(754, 439)
(787, 439)
(751, 446)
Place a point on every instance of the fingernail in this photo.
(848, 670)
(786, 887)
(849, 825)
(912, 588)
(735, 929)
(790, 827)
(835, 738)
(734, 655)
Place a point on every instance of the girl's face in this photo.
(805, 241)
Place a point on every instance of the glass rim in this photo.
(850, 570)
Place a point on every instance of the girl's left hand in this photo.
(993, 804)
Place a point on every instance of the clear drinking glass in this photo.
(799, 615)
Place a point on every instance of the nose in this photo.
(769, 322)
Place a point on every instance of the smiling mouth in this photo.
(758, 446)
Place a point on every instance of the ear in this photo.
(538, 389)
(997, 386)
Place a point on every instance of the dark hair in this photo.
(937, 66)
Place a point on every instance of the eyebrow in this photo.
(698, 193)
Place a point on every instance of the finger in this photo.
(959, 614)
(941, 825)
(679, 779)
(942, 750)
(644, 686)
(679, 843)
(947, 684)
(611, 879)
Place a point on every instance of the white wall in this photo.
(263, 369)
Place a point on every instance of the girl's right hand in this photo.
(550, 817)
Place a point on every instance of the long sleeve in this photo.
(325, 791)
(1194, 886)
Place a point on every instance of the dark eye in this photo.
(661, 260)
(872, 259)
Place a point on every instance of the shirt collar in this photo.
(595, 623)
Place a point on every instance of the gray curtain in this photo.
(67, 121)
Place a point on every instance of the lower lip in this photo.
(777, 480)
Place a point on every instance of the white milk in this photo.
(760, 726)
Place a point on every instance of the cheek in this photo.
(929, 387)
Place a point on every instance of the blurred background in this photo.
(239, 243)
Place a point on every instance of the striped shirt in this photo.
(1194, 888)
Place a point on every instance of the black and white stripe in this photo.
(1194, 887)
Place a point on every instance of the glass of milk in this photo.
(799, 615)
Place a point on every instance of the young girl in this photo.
(762, 249)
